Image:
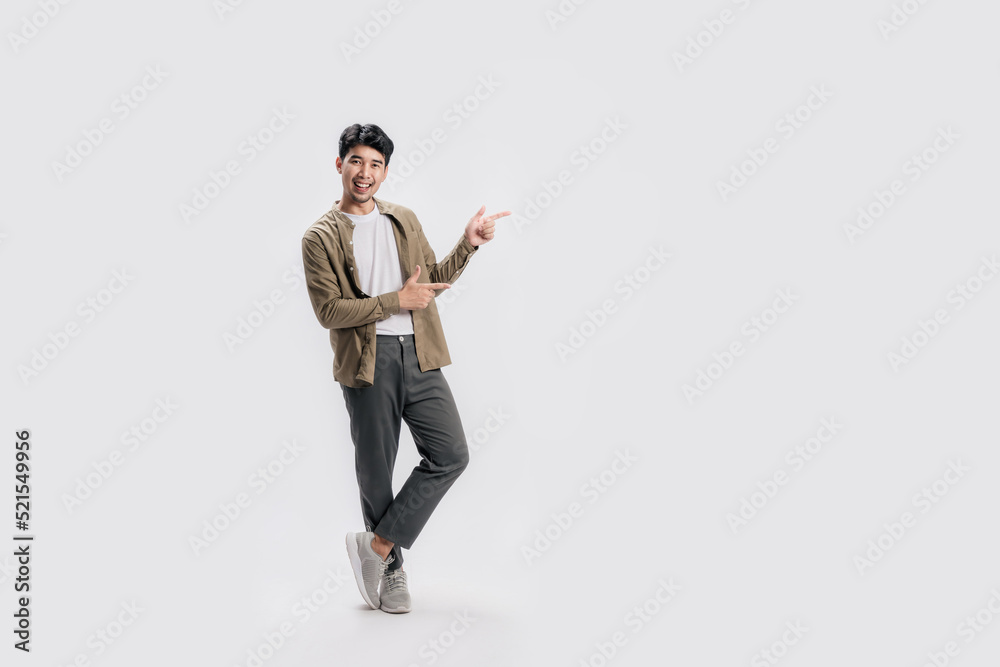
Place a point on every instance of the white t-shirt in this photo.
(377, 258)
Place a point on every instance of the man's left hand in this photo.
(481, 227)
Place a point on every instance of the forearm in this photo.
(332, 310)
(451, 267)
(343, 313)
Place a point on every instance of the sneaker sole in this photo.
(352, 553)
(398, 610)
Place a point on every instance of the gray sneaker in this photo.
(394, 596)
(368, 566)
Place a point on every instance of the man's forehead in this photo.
(365, 152)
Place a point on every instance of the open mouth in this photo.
(362, 187)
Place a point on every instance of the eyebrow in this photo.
(355, 155)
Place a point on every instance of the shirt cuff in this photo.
(464, 243)
(390, 304)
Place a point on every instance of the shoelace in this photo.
(395, 579)
(384, 564)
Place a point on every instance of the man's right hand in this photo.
(416, 295)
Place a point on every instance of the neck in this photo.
(348, 205)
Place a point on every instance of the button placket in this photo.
(349, 255)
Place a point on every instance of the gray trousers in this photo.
(424, 400)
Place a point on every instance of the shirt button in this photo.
(350, 243)
(352, 268)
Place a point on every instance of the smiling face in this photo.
(362, 172)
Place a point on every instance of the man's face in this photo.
(362, 171)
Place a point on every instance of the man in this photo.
(372, 278)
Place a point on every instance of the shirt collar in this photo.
(384, 207)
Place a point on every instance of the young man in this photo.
(372, 278)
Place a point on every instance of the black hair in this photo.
(366, 135)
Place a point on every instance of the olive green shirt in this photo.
(350, 314)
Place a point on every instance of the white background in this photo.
(537, 286)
